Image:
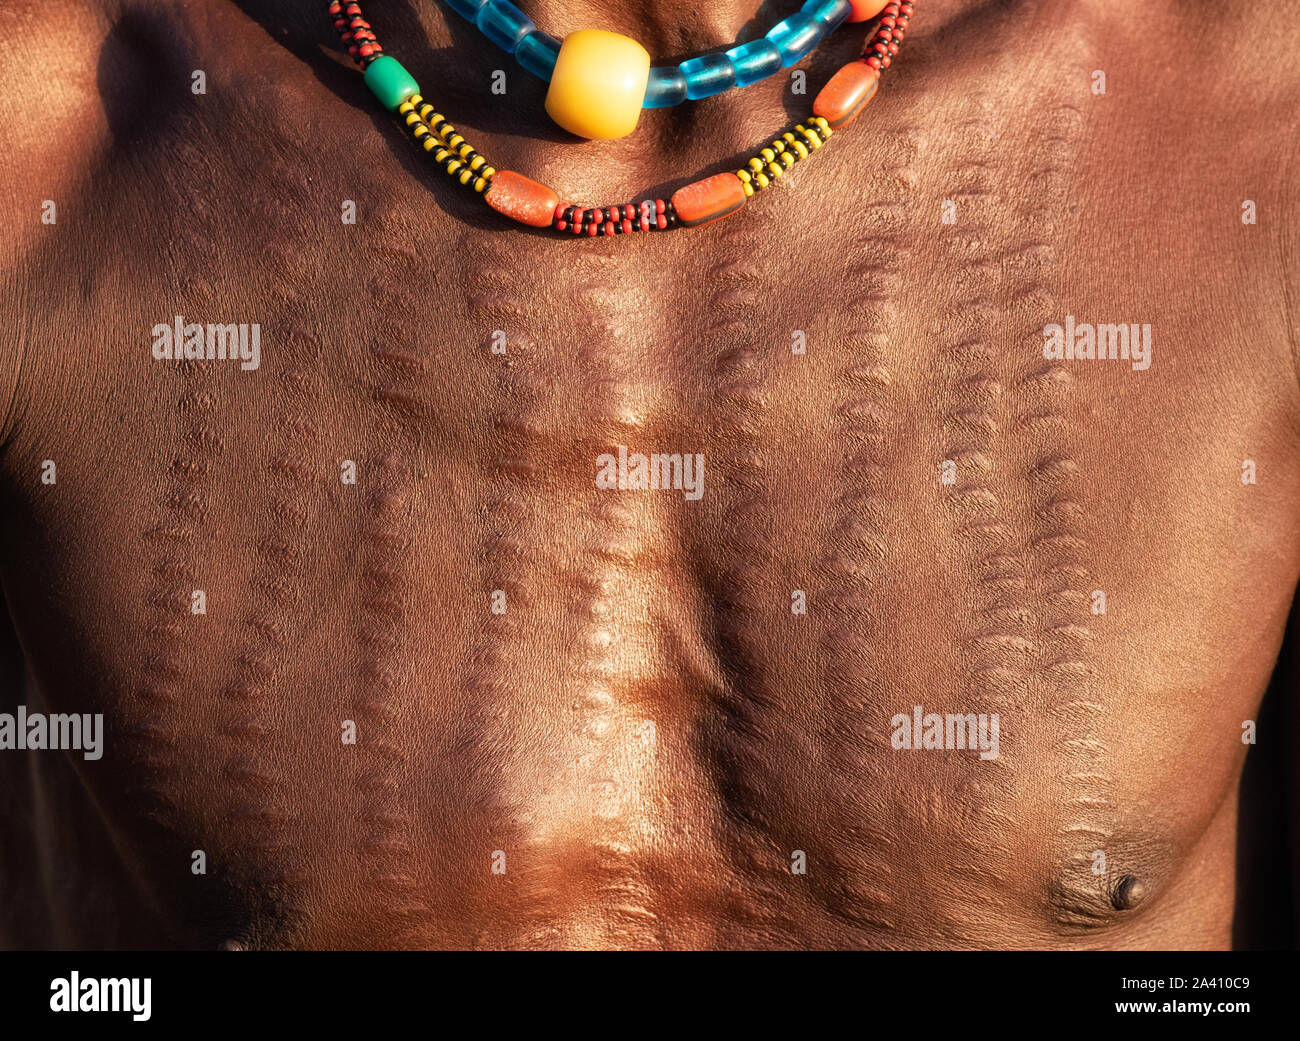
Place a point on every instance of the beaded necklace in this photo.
(840, 101)
(786, 44)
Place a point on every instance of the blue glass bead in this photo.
(667, 87)
(795, 37)
(537, 53)
(829, 13)
(756, 60)
(466, 8)
(504, 24)
(786, 44)
(707, 75)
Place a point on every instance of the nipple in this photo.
(1128, 893)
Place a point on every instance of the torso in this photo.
(649, 735)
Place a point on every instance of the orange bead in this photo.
(709, 199)
(521, 199)
(846, 94)
(862, 10)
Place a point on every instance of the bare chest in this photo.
(535, 592)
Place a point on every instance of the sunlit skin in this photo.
(648, 747)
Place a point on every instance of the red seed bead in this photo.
(846, 94)
(865, 10)
(709, 199)
(521, 199)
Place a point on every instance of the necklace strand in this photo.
(701, 202)
(785, 44)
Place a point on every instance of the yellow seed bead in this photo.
(775, 170)
(743, 175)
(598, 84)
(429, 144)
(787, 160)
(749, 189)
(762, 180)
(488, 172)
(767, 154)
(801, 149)
(756, 165)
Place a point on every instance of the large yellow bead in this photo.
(598, 84)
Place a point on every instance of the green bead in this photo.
(390, 82)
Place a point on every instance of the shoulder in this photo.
(48, 76)
(1210, 99)
(81, 85)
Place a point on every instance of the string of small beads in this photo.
(355, 32)
(647, 215)
(799, 142)
(449, 149)
(879, 52)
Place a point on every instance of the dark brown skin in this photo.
(527, 732)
